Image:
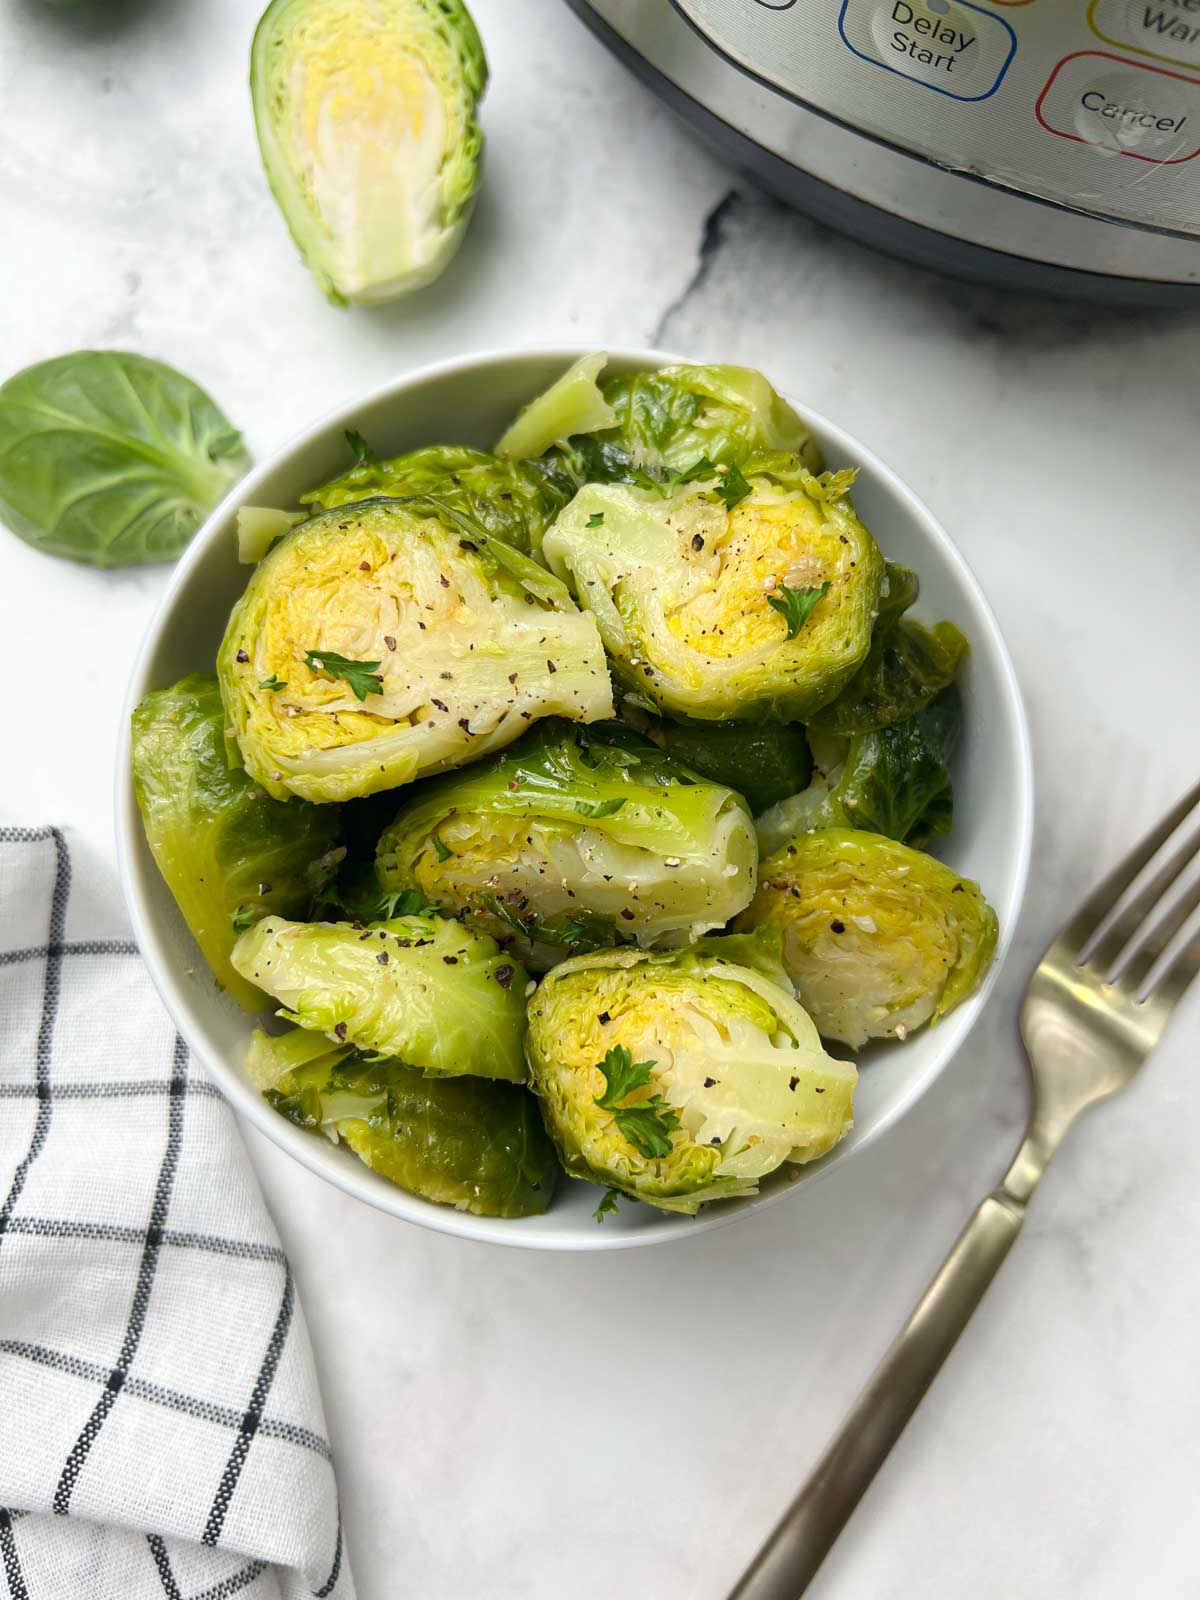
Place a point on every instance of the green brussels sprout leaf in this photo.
(229, 854)
(465, 1142)
(111, 459)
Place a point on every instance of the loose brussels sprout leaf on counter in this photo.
(906, 666)
(388, 639)
(683, 1076)
(877, 937)
(421, 989)
(513, 500)
(651, 427)
(111, 459)
(748, 598)
(366, 117)
(228, 853)
(765, 762)
(470, 1143)
(895, 781)
(574, 839)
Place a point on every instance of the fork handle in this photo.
(787, 1563)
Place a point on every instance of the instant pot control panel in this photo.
(1093, 104)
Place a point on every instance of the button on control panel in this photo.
(1126, 107)
(952, 46)
(1092, 105)
(1166, 29)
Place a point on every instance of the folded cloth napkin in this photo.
(161, 1431)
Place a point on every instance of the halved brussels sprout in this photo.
(574, 839)
(877, 937)
(906, 666)
(750, 598)
(893, 780)
(392, 638)
(365, 112)
(683, 1076)
(228, 853)
(514, 500)
(465, 1142)
(630, 427)
(419, 989)
(764, 761)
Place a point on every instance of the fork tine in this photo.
(1171, 986)
(1084, 924)
(1159, 937)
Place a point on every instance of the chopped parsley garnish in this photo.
(444, 851)
(362, 676)
(244, 917)
(607, 1206)
(599, 808)
(732, 487)
(795, 606)
(596, 518)
(648, 1124)
(272, 683)
(364, 456)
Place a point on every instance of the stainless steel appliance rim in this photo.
(900, 203)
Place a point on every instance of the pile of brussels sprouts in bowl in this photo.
(561, 807)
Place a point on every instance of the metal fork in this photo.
(1094, 1009)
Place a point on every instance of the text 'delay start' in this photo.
(951, 46)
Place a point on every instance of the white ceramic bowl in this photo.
(469, 401)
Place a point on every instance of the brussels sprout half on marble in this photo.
(513, 500)
(228, 852)
(634, 427)
(574, 839)
(878, 938)
(471, 1143)
(388, 639)
(683, 1076)
(366, 117)
(747, 596)
(422, 990)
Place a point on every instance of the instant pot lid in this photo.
(977, 143)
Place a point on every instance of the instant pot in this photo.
(1048, 145)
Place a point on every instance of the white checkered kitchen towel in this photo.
(161, 1432)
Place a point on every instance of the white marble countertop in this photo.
(520, 1427)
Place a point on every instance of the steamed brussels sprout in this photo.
(748, 597)
(228, 853)
(877, 937)
(633, 427)
(893, 780)
(764, 761)
(513, 500)
(420, 989)
(906, 666)
(392, 638)
(465, 1142)
(365, 112)
(683, 1076)
(111, 459)
(574, 839)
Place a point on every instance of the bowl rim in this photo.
(313, 1153)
